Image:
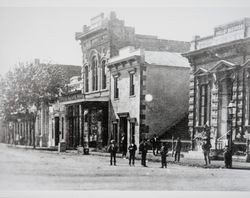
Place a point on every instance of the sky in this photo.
(46, 29)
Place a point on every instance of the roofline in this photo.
(81, 35)
(195, 52)
(169, 66)
(123, 60)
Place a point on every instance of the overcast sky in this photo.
(47, 31)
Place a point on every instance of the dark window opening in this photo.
(94, 74)
(104, 77)
(132, 132)
(86, 79)
(62, 128)
(132, 86)
(116, 89)
(203, 104)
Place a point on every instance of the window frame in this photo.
(116, 89)
(131, 84)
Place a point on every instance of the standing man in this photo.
(143, 149)
(178, 146)
(227, 157)
(132, 148)
(164, 152)
(155, 144)
(206, 145)
(112, 149)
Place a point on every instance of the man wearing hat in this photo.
(112, 149)
(206, 145)
(143, 148)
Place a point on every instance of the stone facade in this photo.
(219, 75)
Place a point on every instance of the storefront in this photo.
(87, 124)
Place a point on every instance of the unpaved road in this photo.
(22, 169)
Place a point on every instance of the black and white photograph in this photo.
(124, 96)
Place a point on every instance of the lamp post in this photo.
(231, 107)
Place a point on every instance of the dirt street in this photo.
(22, 169)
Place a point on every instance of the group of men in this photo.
(143, 150)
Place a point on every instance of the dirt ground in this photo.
(25, 169)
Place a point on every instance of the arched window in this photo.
(103, 75)
(94, 74)
(86, 79)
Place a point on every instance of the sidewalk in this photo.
(150, 157)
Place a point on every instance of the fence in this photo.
(186, 144)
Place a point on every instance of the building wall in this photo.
(209, 53)
(153, 43)
(126, 103)
(170, 90)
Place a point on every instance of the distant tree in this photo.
(29, 85)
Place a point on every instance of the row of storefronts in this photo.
(137, 85)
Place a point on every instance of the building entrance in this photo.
(123, 131)
(57, 133)
(87, 124)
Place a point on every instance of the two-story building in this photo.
(88, 113)
(148, 92)
(219, 81)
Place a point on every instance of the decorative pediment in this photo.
(247, 64)
(200, 71)
(222, 66)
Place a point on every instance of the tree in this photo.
(30, 84)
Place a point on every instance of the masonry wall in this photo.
(152, 43)
(170, 89)
(125, 102)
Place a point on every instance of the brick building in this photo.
(89, 112)
(220, 74)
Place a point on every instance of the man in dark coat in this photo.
(112, 149)
(228, 157)
(164, 152)
(155, 144)
(143, 149)
(178, 146)
(206, 146)
(132, 148)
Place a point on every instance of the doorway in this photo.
(124, 130)
(57, 131)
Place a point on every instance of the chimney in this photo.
(194, 42)
(85, 28)
(112, 15)
(37, 61)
